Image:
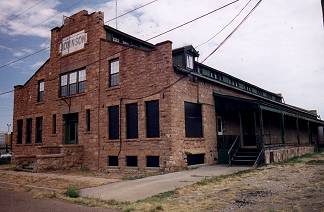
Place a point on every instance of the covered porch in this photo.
(272, 131)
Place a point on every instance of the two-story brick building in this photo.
(105, 100)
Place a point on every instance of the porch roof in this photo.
(233, 103)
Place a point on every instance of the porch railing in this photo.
(259, 159)
(235, 146)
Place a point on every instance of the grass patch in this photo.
(72, 191)
(315, 162)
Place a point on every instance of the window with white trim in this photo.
(114, 72)
(73, 83)
(189, 60)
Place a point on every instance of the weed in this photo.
(72, 191)
(315, 162)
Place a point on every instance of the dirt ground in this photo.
(297, 185)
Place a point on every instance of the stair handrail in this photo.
(257, 161)
(230, 154)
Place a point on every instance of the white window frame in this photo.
(189, 61)
(220, 123)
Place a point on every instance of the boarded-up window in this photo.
(19, 131)
(131, 161)
(194, 159)
(113, 122)
(29, 129)
(112, 160)
(152, 161)
(39, 129)
(152, 119)
(132, 121)
(54, 124)
(193, 120)
(88, 127)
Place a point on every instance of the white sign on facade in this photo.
(73, 42)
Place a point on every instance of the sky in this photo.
(279, 47)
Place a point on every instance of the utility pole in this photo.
(117, 14)
(322, 1)
(8, 125)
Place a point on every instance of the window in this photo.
(132, 121)
(219, 125)
(39, 129)
(194, 159)
(193, 120)
(64, 85)
(54, 124)
(112, 160)
(40, 95)
(113, 122)
(82, 79)
(190, 61)
(29, 127)
(19, 131)
(131, 161)
(113, 73)
(73, 83)
(88, 127)
(152, 119)
(152, 161)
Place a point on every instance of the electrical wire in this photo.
(235, 29)
(160, 34)
(229, 23)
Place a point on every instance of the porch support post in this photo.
(261, 127)
(282, 128)
(255, 127)
(297, 127)
(241, 128)
(309, 133)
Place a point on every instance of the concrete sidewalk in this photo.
(133, 190)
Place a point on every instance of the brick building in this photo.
(105, 100)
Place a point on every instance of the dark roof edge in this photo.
(129, 36)
(208, 67)
(36, 72)
(248, 93)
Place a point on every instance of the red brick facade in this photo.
(145, 74)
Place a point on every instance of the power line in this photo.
(6, 92)
(43, 49)
(24, 57)
(167, 31)
(195, 19)
(235, 29)
(24, 11)
(229, 23)
(130, 11)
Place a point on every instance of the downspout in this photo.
(99, 148)
(120, 124)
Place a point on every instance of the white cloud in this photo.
(16, 20)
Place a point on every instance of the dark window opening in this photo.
(54, 124)
(194, 159)
(19, 131)
(113, 72)
(193, 120)
(70, 128)
(29, 129)
(132, 121)
(113, 122)
(152, 161)
(152, 119)
(112, 160)
(88, 120)
(131, 161)
(39, 129)
(40, 95)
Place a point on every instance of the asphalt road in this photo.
(22, 201)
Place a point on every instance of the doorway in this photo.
(248, 120)
(70, 128)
